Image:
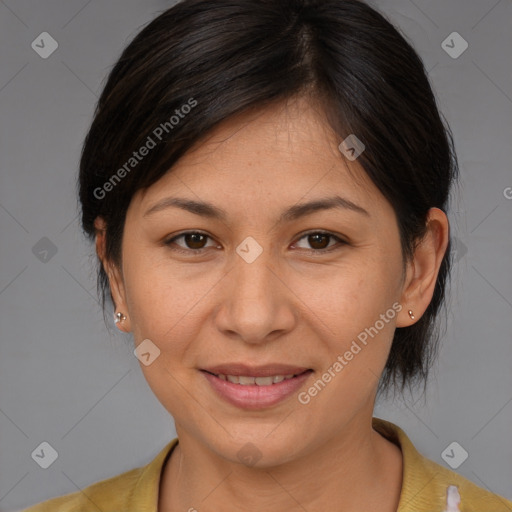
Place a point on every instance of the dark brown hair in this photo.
(224, 57)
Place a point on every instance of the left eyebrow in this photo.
(301, 210)
(205, 209)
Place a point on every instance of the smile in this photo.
(253, 392)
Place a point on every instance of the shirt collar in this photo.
(146, 491)
(423, 485)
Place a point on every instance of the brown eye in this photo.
(319, 241)
(194, 242)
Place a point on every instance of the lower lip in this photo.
(253, 396)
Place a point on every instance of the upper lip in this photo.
(238, 369)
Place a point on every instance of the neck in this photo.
(356, 470)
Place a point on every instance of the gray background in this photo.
(67, 380)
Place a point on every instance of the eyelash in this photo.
(170, 241)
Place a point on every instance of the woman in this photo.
(267, 186)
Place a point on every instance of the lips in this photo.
(250, 387)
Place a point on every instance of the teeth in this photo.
(259, 381)
(263, 381)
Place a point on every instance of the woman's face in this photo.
(260, 292)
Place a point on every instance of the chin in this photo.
(258, 451)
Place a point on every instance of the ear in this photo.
(422, 271)
(114, 274)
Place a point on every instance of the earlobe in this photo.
(423, 269)
(121, 316)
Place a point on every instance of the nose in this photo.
(256, 305)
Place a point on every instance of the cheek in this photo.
(359, 306)
(157, 299)
(170, 304)
(350, 296)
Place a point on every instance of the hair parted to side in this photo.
(224, 57)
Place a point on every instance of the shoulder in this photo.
(425, 483)
(132, 490)
(473, 498)
(107, 493)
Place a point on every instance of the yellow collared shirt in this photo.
(424, 486)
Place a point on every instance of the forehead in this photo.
(294, 132)
(286, 153)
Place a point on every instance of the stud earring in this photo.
(119, 317)
(411, 314)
